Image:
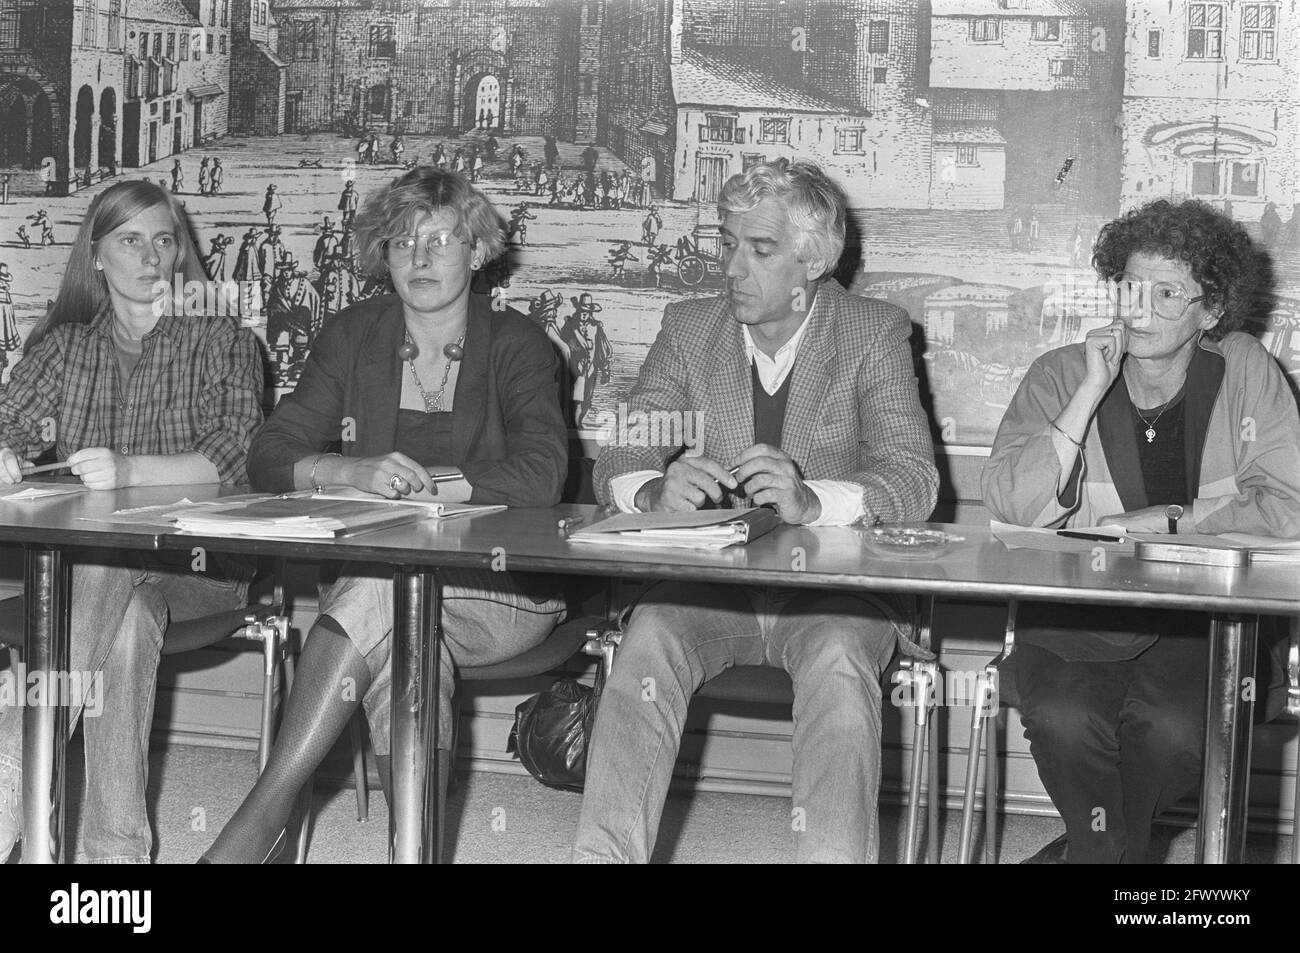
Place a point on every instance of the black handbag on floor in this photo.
(552, 729)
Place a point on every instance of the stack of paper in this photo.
(1266, 549)
(30, 493)
(701, 529)
(425, 501)
(296, 518)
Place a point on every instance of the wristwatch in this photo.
(1173, 513)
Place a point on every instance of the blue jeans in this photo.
(485, 620)
(121, 606)
(833, 645)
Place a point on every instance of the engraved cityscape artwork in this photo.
(982, 144)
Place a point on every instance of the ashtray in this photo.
(902, 541)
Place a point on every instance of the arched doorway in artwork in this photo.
(13, 128)
(482, 103)
(108, 129)
(379, 104)
(81, 131)
(26, 123)
(42, 131)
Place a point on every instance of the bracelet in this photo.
(314, 464)
(1066, 436)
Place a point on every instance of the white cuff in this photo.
(841, 502)
(624, 488)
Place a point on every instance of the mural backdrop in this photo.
(982, 144)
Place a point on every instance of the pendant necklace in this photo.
(1151, 424)
(453, 352)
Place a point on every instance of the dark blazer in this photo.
(508, 436)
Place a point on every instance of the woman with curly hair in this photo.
(1168, 419)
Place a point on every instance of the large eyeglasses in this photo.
(437, 247)
(1139, 298)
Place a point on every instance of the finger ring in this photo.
(395, 483)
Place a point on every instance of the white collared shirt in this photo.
(841, 500)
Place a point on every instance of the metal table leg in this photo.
(416, 656)
(1225, 779)
(47, 591)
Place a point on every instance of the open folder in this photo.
(301, 518)
(701, 529)
(317, 516)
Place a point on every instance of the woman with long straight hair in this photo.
(129, 389)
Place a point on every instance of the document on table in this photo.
(1263, 549)
(34, 492)
(701, 529)
(163, 514)
(1050, 540)
(283, 517)
(431, 504)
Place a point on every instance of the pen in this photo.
(47, 468)
(568, 523)
(445, 477)
(1094, 537)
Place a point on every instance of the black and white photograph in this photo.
(763, 432)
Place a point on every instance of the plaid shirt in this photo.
(198, 387)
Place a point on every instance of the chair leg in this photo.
(920, 675)
(1295, 814)
(270, 675)
(972, 775)
(991, 793)
(359, 768)
(932, 792)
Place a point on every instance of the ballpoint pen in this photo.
(47, 468)
(1093, 537)
(569, 522)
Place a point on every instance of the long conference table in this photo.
(528, 540)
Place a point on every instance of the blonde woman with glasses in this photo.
(429, 378)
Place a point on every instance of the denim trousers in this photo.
(1115, 743)
(121, 605)
(681, 634)
(485, 620)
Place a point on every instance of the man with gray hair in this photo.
(810, 406)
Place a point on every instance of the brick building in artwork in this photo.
(441, 66)
(837, 81)
(37, 51)
(89, 87)
(176, 70)
(638, 114)
(1019, 89)
(1210, 107)
(962, 104)
(259, 78)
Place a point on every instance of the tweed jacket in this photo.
(854, 413)
(508, 436)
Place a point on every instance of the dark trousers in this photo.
(1116, 743)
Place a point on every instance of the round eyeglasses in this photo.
(437, 247)
(1139, 298)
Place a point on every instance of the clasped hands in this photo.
(769, 476)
